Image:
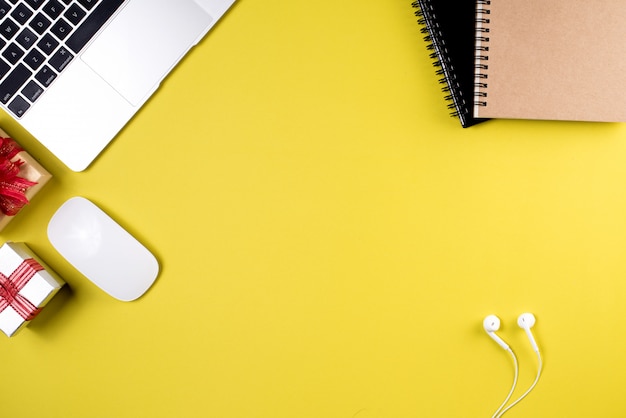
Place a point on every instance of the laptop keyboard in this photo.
(38, 39)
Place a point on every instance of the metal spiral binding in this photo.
(430, 28)
(482, 52)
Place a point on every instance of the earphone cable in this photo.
(527, 391)
(497, 414)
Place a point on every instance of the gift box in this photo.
(21, 178)
(26, 286)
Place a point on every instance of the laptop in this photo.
(74, 72)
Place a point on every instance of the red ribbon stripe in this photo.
(11, 286)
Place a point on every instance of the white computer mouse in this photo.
(102, 250)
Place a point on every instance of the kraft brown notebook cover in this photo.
(551, 59)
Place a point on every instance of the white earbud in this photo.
(491, 325)
(526, 322)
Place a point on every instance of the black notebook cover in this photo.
(449, 26)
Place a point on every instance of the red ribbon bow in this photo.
(12, 187)
(11, 286)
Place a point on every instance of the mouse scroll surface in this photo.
(102, 250)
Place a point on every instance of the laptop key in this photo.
(19, 106)
(53, 9)
(88, 4)
(35, 4)
(61, 29)
(21, 13)
(74, 14)
(8, 29)
(34, 59)
(59, 60)
(26, 38)
(45, 76)
(48, 44)
(92, 24)
(13, 82)
(32, 91)
(39, 23)
(13, 53)
(4, 68)
(4, 8)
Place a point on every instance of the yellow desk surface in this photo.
(330, 241)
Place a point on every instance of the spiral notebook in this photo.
(449, 29)
(558, 59)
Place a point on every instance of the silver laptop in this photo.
(73, 72)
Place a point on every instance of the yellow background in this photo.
(330, 241)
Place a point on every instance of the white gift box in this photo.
(26, 286)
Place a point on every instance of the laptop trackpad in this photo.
(148, 37)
